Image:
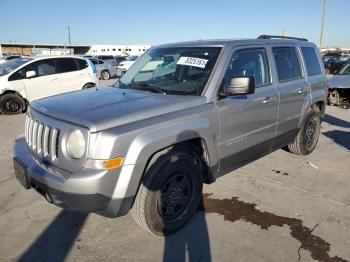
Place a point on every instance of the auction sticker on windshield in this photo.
(192, 61)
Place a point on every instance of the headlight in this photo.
(75, 143)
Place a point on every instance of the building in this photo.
(53, 49)
(118, 50)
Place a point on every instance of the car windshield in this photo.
(12, 64)
(345, 70)
(172, 70)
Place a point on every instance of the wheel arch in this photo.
(149, 146)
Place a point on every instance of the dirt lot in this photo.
(280, 208)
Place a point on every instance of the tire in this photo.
(170, 193)
(11, 104)
(105, 75)
(307, 138)
(89, 85)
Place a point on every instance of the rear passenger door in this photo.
(247, 122)
(292, 88)
(69, 75)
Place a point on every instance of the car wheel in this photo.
(89, 85)
(307, 138)
(170, 193)
(105, 75)
(11, 104)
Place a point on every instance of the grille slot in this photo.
(42, 139)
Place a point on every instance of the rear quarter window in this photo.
(312, 63)
(82, 64)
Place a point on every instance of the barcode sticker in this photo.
(192, 61)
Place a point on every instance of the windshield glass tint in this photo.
(11, 65)
(345, 70)
(175, 70)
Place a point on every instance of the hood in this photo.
(340, 81)
(102, 108)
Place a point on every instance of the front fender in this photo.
(147, 143)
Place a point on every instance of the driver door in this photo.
(247, 122)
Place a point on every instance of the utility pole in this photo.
(70, 51)
(322, 22)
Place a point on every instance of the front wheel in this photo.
(11, 104)
(307, 138)
(170, 193)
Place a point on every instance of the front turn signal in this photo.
(104, 164)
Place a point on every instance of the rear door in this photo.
(293, 90)
(247, 122)
(69, 75)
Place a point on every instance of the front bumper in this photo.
(86, 191)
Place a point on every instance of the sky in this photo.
(163, 21)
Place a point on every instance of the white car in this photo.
(7, 58)
(125, 65)
(26, 79)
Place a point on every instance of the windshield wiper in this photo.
(143, 86)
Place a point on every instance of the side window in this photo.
(250, 62)
(45, 67)
(66, 65)
(101, 62)
(287, 63)
(20, 74)
(311, 61)
(82, 63)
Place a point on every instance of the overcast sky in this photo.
(161, 21)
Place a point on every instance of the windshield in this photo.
(345, 70)
(11, 65)
(175, 70)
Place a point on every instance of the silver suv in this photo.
(183, 115)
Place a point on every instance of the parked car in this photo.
(333, 64)
(104, 70)
(150, 142)
(26, 79)
(339, 91)
(125, 65)
(7, 58)
(112, 60)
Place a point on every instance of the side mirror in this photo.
(30, 74)
(241, 85)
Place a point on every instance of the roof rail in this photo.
(281, 37)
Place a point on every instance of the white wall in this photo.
(118, 49)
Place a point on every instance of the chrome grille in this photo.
(42, 139)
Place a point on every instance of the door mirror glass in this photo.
(242, 85)
(30, 74)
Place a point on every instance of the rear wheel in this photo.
(105, 75)
(307, 138)
(170, 193)
(11, 104)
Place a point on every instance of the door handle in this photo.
(55, 79)
(267, 100)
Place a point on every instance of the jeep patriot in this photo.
(184, 114)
